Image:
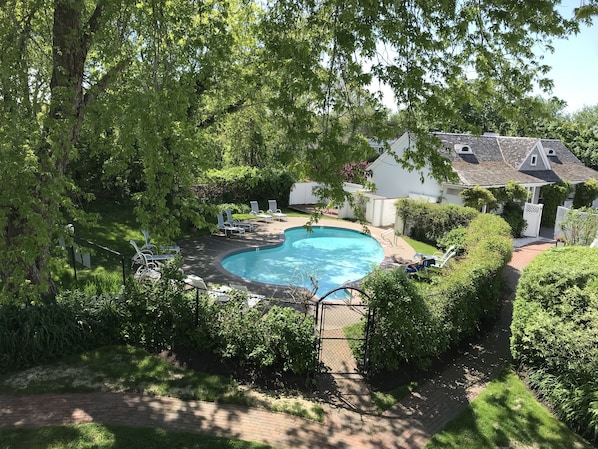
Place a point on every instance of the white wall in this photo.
(394, 181)
(302, 193)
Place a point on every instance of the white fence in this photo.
(302, 193)
(380, 211)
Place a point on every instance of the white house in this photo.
(488, 160)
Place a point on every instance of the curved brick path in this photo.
(409, 424)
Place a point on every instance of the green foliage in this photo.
(580, 226)
(554, 332)
(429, 222)
(35, 333)
(455, 237)
(511, 193)
(478, 197)
(282, 338)
(585, 194)
(404, 329)
(244, 184)
(415, 323)
(554, 195)
(514, 217)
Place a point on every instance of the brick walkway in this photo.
(409, 424)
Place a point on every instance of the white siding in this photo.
(393, 181)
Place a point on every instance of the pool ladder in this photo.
(385, 233)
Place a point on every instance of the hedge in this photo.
(415, 324)
(430, 222)
(156, 316)
(555, 333)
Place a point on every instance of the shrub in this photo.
(554, 332)
(553, 196)
(35, 333)
(429, 222)
(243, 184)
(585, 194)
(580, 226)
(455, 237)
(404, 328)
(413, 324)
(516, 221)
(282, 338)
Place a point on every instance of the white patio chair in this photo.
(143, 257)
(243, 224)
(275, 211)
(163, 249)
(255, 210)
(227, 227)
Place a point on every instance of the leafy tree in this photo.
(478, 198)
(142, 87)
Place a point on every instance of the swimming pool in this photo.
(331, 255)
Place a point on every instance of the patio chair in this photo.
(163, 249)
(143, 257)
(199, 284)
(275, 211)
(227, 227)
(438, 256)
(255, 210)
(243, 224)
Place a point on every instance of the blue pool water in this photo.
(331, 255)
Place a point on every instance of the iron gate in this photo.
(343, 328)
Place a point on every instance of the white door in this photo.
(532, 214)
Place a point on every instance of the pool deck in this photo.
(202, 255)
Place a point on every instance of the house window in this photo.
(534, 160)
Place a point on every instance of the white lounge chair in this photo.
(243, 224)
(163, 249)
(437, 256)
(144, 257)
(255, 210)
(275, 211)
(199, 284)
(226, 227)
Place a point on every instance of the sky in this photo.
(575, 68)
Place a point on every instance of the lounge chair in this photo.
(163, 249)
(243, 224)
(438, 256)
(199, 284)
(144, 257)
(275, 211)
(226, 227)
(255, 210)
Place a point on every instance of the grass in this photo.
(100, 436)
(420, 247)
(506, 415)
(386, 400)
(129, 369)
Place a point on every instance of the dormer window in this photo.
(550, 151)
(534, 160)
(463, 149)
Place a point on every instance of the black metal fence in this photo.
(84, 255)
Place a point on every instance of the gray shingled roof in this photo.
(495, 160)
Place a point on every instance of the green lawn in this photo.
(506, 415)
(98, 436)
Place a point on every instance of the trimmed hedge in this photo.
(244, 184)
(428, 222)
(415, 324)
(555, 333)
